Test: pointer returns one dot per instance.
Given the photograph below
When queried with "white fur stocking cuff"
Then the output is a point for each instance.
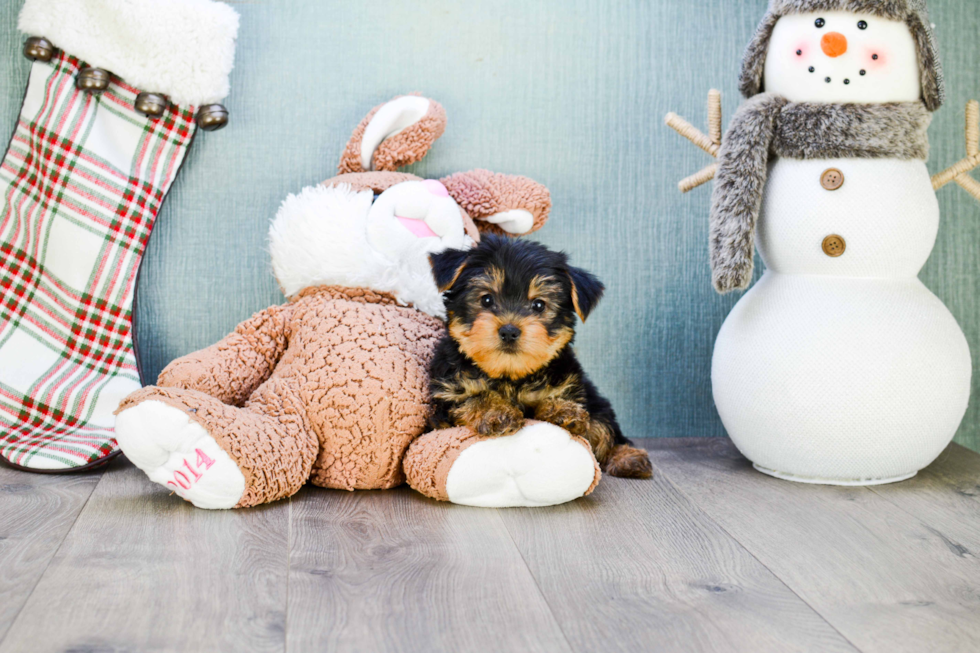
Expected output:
(184, 49)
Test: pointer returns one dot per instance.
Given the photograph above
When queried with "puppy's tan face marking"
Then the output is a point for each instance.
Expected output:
(535, 347)
(491, 282)
(548, 291)
(534, 310)
(544, 287)
(481, 343)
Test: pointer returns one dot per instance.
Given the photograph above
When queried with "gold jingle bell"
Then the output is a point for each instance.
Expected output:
(38, 48)
(212, 117)
(151, 105)
(92, 80)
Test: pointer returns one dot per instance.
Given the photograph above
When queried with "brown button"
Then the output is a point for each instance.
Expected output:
(832, 179)
(833, 245)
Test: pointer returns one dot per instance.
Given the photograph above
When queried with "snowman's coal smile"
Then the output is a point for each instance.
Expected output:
(847, 80)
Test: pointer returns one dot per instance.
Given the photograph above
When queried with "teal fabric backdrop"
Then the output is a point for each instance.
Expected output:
(569, 92)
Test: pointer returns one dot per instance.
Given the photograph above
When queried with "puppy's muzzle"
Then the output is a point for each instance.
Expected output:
(509, 334)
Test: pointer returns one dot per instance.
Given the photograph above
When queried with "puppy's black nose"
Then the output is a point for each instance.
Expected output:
(509, 333)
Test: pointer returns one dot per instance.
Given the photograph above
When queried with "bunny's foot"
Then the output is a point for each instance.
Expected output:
(540, 465)
(177, 452)
(215, 455)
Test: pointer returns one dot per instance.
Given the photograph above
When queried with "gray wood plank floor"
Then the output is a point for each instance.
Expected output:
(708, 556)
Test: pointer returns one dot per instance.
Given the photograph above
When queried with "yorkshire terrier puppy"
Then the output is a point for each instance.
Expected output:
(511, 306)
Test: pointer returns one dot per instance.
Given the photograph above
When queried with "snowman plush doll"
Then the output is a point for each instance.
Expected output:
(839, 366)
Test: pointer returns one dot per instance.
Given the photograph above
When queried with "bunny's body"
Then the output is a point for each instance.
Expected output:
(336, 378)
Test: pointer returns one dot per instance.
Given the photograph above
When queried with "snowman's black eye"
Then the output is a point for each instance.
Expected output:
(862, 24)
(820, 22)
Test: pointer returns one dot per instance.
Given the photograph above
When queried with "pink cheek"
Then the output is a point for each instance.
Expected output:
(801, 53)
(875, 58)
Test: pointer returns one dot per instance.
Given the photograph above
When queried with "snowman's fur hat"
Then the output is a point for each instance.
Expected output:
(912, 12)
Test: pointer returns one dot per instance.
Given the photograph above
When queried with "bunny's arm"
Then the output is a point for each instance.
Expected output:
(232, 368)
(737, 196)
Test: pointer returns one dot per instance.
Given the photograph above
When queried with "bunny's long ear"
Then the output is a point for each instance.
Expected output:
(394, 134)
(509, 205)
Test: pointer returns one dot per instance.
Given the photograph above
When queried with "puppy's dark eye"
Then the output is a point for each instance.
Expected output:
(538, 306)
(862, 24)
(820, 22)
(486, 301)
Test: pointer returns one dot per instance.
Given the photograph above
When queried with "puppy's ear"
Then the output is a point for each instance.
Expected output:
(447, 266)
(586, 291)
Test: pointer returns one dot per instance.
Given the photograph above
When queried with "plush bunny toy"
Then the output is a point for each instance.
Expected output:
(332, 387)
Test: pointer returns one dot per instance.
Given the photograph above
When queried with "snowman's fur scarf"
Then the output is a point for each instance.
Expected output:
(319, 238)
(737, 195)
(770, 126)
(806, 130)
(912, 12)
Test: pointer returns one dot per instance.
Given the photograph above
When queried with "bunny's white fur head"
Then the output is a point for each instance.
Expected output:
(333, 235)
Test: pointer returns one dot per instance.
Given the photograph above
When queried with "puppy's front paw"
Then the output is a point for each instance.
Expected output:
(498, 420)
(569, 415)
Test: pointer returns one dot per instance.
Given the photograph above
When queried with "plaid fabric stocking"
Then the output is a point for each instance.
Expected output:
(80, 187)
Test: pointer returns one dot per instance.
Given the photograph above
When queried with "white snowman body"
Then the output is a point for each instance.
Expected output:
(842, 368)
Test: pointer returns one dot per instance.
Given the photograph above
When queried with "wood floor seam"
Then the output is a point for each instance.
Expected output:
(47, 565)
(748, 551)
(935, 529)
(709, 555)
(289, 562)
(870, 569)
(537, 585)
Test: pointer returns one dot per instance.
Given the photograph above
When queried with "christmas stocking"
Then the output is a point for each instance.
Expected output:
(117, 90)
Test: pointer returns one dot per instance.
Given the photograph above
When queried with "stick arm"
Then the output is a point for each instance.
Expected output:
(710, 142)
(960, 172)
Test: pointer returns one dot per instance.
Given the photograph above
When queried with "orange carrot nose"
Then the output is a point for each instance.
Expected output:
(833, 44)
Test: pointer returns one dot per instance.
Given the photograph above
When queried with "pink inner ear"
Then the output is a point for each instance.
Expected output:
(436, 188)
